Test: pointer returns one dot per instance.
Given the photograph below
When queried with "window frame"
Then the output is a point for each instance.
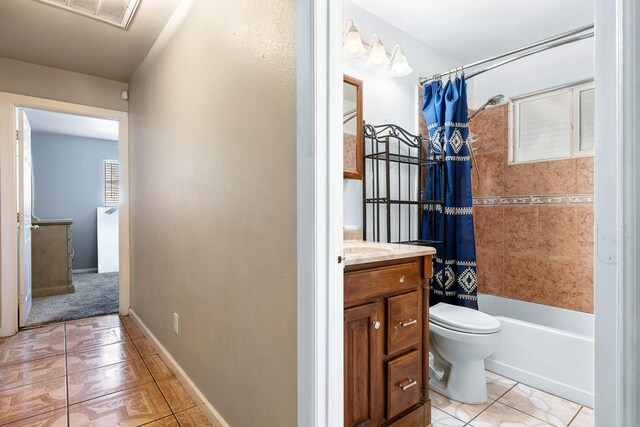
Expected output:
(574, 144)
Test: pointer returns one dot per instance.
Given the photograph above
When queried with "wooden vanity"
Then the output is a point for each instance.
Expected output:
(51, 258)
(386, 335)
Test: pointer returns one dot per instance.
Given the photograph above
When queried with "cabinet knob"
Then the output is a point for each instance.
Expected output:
(376, 324)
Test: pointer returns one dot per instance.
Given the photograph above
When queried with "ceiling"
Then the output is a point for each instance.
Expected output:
(42, 34)
(474, 30)
(71, 124)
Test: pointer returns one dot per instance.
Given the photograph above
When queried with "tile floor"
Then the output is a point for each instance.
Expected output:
(99, 371)
(102, 371)
(510, 404)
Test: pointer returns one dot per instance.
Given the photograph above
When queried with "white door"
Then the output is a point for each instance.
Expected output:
(25, 194)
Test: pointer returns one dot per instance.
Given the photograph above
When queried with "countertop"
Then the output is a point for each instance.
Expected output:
(60, 221)
(361, 252)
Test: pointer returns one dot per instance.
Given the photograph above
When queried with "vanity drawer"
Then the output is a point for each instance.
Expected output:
(366, 284)
(404, 323)
(403, 387)
(416, 418)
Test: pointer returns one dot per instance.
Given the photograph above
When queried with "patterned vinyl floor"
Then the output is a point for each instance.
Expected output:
(99, 371)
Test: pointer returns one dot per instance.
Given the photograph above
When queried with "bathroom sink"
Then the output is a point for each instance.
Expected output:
(365, 248)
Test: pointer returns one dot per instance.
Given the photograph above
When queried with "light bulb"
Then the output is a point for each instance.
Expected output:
(352, 45)
(377, 55)
(400, 66)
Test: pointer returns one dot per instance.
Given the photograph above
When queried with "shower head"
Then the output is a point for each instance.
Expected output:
(494, 100)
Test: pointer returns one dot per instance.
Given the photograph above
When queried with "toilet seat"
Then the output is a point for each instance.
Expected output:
(463, 319)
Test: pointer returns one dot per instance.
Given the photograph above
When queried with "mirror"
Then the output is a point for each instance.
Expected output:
(352, 128)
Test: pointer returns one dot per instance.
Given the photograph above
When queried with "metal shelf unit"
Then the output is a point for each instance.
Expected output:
(396, 164)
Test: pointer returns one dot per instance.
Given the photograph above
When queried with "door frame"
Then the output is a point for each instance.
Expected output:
(319, 213)
(9, 104)
(617, 219)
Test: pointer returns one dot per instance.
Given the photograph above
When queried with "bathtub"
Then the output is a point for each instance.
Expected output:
(545, 347)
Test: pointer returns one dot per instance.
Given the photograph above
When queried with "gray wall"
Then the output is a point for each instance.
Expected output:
(60, 85)
(213, 203)
(69, 183)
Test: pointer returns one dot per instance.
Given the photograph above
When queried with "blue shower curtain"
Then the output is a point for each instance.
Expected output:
(454, 271)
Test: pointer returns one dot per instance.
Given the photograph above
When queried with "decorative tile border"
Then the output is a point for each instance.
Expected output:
(515, 200)
(549, 200)
(581, 198)
(489, 201)
(555, 199)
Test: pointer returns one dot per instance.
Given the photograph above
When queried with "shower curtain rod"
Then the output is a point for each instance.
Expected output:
(542, 45)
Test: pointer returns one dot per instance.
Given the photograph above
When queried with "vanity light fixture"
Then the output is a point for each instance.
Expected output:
(354, 47)
(399, 64)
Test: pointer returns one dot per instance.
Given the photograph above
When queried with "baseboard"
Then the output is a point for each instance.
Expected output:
(565, 391)
(204, 405)
(85, 270)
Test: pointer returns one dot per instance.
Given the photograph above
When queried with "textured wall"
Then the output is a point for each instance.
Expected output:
(60, 85)
(68, 174)
(213, 202)
(533, 222)
(387, 99)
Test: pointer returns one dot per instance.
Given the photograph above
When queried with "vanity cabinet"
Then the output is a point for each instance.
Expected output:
(386, 343)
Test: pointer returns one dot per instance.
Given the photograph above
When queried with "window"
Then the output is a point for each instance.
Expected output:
(111, 182)
(553, 125)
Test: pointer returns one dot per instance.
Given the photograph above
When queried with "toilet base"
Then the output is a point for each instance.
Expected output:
(465, 383)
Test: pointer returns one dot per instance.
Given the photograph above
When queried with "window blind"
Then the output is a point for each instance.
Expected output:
(544, 128)
(111, 182)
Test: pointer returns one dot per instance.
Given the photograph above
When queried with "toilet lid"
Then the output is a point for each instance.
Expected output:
(463, 319)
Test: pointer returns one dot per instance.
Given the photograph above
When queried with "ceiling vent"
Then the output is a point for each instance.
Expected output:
(116, 12)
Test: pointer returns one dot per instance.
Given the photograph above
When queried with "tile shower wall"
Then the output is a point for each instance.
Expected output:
(533, 222)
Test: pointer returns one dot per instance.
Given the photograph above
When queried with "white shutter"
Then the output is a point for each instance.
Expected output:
(587, 119)
(111, 182)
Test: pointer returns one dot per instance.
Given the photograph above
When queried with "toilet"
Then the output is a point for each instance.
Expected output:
(460, 339)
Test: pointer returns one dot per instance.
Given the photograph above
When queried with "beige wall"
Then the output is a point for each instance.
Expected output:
(212, 137)
(60, 85)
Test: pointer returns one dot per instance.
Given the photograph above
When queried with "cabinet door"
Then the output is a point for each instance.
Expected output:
(362, 328)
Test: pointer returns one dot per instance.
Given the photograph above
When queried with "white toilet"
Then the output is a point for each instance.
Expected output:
(460, 339)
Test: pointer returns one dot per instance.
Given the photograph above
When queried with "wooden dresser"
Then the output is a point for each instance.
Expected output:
(386, 343)
(51, 257)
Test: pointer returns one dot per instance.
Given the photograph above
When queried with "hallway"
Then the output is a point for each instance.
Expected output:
(98, 371)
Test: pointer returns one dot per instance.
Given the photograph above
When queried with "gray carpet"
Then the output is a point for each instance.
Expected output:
(95, 294)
